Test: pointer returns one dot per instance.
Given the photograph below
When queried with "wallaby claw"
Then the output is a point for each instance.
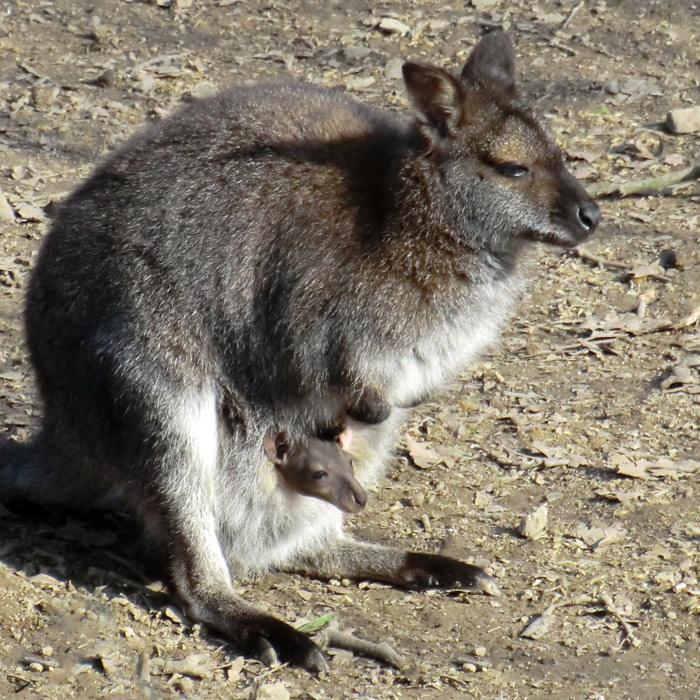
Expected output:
(422, 571)
(315, 661)
(264, 652)
(281, 643)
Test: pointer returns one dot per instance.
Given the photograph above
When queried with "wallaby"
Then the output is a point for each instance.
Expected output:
(269, 256)
(317, 467)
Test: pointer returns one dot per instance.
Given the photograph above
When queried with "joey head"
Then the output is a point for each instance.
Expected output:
(302, 255)
(316, 467)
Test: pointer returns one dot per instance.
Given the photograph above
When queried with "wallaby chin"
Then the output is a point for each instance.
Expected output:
(302, 255)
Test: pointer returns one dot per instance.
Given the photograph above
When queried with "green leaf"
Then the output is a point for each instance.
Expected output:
(316, 624)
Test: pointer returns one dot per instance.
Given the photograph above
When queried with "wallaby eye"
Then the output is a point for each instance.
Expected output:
(319, 475)
(512, 169)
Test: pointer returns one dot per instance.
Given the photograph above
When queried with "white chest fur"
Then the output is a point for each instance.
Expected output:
(449, 347)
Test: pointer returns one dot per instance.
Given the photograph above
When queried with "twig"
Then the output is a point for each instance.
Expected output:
(610, 608)
(566, 49)
(571, 14)
(595, 260)
(382, 652)
(651, 185)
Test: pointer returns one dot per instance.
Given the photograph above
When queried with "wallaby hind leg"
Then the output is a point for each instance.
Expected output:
(41, 472)
(349, 558)
(182, 515)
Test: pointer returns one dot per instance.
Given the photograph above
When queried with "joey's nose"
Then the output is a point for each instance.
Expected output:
(589, 216)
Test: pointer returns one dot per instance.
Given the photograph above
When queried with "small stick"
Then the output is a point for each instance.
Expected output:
(610, 608)
(651, 185)
(571, 14)
(382, 652)
(595, 260)
(566, 49)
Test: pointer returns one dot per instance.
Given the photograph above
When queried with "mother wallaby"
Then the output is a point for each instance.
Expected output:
(278, 255)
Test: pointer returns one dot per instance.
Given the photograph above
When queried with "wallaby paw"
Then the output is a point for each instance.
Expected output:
(422, 571)
(370, 407)
(272, 641)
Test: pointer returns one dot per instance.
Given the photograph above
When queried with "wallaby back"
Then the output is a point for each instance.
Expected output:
(274, 255)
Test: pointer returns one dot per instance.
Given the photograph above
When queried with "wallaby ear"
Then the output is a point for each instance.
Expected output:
(435, 94)
(491, 63)
(345, 438)
(276, 446)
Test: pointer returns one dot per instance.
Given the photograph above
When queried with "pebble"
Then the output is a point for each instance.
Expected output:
(393, 69)
(355, 53)
(534, 525)
(389, 25)
(272, 691)
(7, 216)
(683, 121)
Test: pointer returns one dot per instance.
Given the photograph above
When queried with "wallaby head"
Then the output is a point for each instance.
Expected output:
(318, 468)
(502, 171)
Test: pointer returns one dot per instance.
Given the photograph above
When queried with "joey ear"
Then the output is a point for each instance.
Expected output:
(435, 94)
(345, 438)
(276, 446)
(491, 63)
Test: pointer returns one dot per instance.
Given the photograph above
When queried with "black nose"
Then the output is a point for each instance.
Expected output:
(589, 216)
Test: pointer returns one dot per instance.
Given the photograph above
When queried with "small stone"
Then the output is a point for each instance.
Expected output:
(389, 25)
(7, 216)
(393, 69)
(480, 652)
(355, 53)
(534, 525)
(272, 691)
(683, 121)
(360, 82)
(29, 212)
(417, 499)
(105, 78)
(539, 626)
(183, 4)
(184, 683)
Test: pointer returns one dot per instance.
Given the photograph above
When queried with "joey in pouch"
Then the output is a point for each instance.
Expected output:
(316, 467)
(274, 255)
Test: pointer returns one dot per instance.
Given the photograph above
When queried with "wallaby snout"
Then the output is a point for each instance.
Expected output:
(574, 212)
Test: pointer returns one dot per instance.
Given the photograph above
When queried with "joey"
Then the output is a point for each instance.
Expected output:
(303, 254)
(316, 467)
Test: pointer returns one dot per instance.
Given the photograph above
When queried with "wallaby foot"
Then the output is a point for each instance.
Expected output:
(411, 570)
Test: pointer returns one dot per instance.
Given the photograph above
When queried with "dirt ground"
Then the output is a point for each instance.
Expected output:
(590, 406)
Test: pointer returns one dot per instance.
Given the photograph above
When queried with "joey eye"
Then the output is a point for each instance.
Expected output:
(319, 475)
(512, 169)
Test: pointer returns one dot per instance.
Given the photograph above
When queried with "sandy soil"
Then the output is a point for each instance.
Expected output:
(591, 405)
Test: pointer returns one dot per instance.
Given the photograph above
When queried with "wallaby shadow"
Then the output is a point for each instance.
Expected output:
(91, 550)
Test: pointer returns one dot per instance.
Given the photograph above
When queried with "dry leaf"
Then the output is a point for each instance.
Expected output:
(644, 469)
(595, 537)
(421, 455)
(626, 466)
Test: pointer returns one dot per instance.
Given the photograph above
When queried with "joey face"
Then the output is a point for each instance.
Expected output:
(502, 175)
(317, 468)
